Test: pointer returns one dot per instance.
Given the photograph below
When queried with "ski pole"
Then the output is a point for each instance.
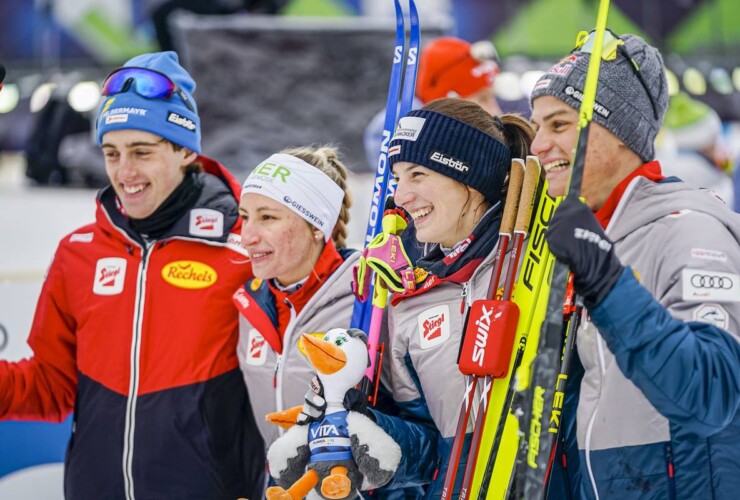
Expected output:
(508, 219)
(536, 471)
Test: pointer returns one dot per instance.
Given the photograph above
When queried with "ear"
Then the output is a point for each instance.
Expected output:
(190, 156)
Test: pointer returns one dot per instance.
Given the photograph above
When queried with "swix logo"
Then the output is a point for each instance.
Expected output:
(256, 348)
(206, 222)
(537, 241)
(326, 430)
(434, 326)
(483, 326)
(110, 274)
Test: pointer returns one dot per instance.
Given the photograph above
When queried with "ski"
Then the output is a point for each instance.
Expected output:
(368, 316)
(508, 219)
(550, 369)
(521, 229)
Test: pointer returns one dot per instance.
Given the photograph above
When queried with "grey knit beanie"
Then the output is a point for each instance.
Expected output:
(622, 103)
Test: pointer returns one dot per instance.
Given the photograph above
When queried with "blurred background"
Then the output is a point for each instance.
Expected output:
(278, 73)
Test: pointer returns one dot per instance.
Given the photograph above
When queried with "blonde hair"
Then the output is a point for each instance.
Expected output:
(326, 159)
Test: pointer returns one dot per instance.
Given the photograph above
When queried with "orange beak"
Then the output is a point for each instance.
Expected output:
(324, 356)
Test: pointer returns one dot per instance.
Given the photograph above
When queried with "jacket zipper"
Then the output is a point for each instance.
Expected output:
(133, 389)
(278, 377)
(670, 471)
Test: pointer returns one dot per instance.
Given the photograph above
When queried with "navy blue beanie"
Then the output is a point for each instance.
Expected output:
(167, 118)
(452, 148)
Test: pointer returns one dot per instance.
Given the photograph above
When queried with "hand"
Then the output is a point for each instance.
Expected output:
(577, 239)
(314, 403)
(355, 400)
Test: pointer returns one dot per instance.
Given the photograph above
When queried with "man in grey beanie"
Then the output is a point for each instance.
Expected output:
(652, 399)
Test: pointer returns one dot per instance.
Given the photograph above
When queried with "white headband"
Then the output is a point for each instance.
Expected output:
(301, 187)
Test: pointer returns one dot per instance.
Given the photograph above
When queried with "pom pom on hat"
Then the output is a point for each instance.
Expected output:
(450, 67)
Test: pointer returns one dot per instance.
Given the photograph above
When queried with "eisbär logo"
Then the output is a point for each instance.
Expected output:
(181, 121)
(110, 274)
(189, 274)
(434, 326)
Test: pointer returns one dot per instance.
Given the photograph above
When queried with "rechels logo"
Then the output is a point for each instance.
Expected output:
(189, 274)
(206, 222)
(110, 274)
(434, 326)
(181, 121)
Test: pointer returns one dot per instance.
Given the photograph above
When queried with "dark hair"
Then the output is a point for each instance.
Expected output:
(512, 130)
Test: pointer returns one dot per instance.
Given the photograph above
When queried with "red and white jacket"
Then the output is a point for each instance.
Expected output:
(139, 340)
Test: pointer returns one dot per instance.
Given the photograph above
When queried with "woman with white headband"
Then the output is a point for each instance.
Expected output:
(295, 207)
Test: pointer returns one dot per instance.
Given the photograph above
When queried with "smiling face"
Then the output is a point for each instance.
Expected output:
(444, 211)
(608, 160)
(143, 169)
(281, 244)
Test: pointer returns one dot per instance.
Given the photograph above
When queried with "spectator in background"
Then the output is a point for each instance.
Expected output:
(162, 12)
(693, 135)
(448, 67)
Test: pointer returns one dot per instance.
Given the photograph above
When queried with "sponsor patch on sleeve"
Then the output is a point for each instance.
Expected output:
(434, 326)
(702, 285)
(714, 314)
(707, 254)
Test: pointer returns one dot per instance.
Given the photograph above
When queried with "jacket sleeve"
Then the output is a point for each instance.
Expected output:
(43, 387)
(690, 371)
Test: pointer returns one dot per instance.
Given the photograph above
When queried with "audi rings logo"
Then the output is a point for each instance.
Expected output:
(709, 281)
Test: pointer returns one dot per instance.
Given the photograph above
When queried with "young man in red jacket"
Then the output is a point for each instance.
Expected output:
(134, 329)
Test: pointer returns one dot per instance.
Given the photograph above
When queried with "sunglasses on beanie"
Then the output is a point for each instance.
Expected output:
(147, 83)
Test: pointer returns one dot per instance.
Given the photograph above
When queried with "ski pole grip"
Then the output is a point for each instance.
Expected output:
(516, 178)
(526, 200)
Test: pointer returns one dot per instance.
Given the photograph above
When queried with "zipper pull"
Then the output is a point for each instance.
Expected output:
(464, 297)
(277, 367)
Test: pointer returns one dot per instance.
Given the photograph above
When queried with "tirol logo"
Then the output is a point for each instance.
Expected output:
(189, 274)
(434, 326)
(181, 121)
(256, 348)
(110, 274)
(206, 222)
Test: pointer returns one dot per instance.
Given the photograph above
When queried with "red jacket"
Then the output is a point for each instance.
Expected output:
(140, 340)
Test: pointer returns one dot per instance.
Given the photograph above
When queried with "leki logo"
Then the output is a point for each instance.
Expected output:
(189, 274)
(110, 275)
(433, 327)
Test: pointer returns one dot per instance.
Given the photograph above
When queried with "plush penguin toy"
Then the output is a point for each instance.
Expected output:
(343, 452)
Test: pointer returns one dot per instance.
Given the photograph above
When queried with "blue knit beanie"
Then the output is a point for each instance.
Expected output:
(167, 118)
(452, 148)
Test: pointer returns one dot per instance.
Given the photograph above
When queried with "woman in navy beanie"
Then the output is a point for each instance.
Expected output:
(134, 329)
(451, 160)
